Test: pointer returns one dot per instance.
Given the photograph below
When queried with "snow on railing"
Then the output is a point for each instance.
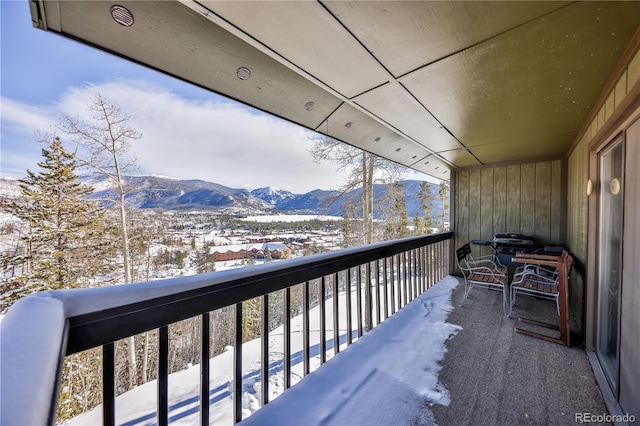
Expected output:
(40, 329)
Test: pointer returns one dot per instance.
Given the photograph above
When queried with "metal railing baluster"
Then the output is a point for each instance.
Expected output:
(434, 266)
(419, 270)
(305, 328)
(398, 283)
(163, 375)
(237, 365)
(287, 338)
(378, 294)
(368, 299)
(108, 384)
(323, 322)
(264, 351)
(336, 316)
(359, 300)
(386, 287)
(401, 280)
(416, 269)
(405, 279)
(393, 284)
(204, 369)
(348, 303)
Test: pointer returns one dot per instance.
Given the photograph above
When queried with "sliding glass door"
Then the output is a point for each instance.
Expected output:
(611, 207)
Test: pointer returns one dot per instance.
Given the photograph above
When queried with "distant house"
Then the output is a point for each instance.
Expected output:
(277, 250)
(225, 253)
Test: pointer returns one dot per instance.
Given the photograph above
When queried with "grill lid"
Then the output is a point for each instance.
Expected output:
(514, 239)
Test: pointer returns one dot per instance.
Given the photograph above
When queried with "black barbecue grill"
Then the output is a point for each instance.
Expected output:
(509, 243)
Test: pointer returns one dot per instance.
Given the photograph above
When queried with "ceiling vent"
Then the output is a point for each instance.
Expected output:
(122, 15)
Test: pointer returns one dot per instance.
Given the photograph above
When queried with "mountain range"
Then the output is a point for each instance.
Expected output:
(164, 193)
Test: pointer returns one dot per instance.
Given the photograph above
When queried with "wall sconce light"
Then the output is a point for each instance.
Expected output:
(589, 187)
(615, 186)
(243, 73)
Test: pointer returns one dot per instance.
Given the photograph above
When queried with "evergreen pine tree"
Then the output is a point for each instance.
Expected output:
(398, 219)
(427, 200)
(400, 207)
(63, 245)
(443, 193)
(267, 253)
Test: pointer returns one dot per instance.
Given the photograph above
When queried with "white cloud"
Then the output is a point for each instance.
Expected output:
(213, 140)
(23, 126)
(19, 115)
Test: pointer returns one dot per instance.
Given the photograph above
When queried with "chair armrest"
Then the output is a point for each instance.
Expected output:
(537, 270)
(485, 270)
(531, 276)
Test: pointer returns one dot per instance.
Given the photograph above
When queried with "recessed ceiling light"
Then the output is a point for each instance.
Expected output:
(348, 125)
(437, 167)
(309, 106)
(398, 149)
(243, 73)
(122, 15)
(377, 139)
(426, 162)
(414, 157)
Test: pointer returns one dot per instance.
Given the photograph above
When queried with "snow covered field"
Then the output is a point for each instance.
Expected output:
(289, 218)
(388, 376)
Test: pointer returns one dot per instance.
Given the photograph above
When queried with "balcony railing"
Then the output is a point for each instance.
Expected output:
(41, 329)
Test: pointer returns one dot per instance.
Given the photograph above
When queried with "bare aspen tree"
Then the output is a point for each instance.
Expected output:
(102, 143)
(365, 169)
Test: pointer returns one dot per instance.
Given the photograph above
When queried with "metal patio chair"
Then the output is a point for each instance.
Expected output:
(533, 280)
(483, 271)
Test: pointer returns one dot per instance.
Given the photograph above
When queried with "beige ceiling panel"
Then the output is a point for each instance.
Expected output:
(459, 157)
(407, 35)
(509, 151)
(350, 125)
(434, 166)
(507, 80)
(304, 33)
(529, 85)
(415, 121)
(196, 50)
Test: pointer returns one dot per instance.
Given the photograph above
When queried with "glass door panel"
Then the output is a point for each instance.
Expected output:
(610, 260)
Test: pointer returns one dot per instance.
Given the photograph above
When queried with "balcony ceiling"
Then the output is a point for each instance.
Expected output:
(431, 85)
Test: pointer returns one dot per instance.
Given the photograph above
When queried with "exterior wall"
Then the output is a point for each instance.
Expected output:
(577, 227)
(524, 198)
(578, 165)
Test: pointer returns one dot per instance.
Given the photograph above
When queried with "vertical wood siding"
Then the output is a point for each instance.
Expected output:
(577, 225)
(525, 198)
(577, 174)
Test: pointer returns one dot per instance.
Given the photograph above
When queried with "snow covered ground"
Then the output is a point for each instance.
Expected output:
(289, 218)
(399, 360)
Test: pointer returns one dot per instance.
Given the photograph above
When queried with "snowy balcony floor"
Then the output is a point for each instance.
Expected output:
(488, 373)
(433, 362)
(499, 377)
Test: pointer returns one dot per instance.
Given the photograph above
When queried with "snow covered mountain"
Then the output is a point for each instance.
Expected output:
(165, 193)
(272, 196)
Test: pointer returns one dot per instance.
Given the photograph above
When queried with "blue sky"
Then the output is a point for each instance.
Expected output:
(44, 75)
